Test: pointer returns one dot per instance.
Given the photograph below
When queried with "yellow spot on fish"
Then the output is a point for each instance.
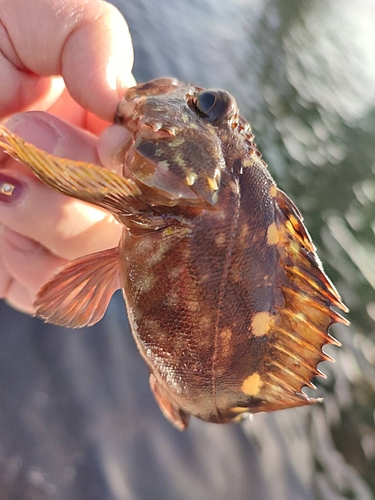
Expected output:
(145, 282)
(248, 162)
(185, 118)
(273, 191)
(179, 158)
(226, 342)
(193, 305)
(289, 226)
(226, 334)
(244, 234)
(295, 248)
(293, 220)
(239, 413)
(158, 252)
(176, 143)
(273, 234)
(251, 385)
(301, 316)
(205, 322)
(164, 165)
(238, 409)
(191, 178)
(171, 130)
(169, 231)
(261, 323)
(220, 239)
(213, 184)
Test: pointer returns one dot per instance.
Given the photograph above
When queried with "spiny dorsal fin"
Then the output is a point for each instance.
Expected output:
(299, 326)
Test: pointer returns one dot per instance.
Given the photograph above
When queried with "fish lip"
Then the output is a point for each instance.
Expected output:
(130, 107)
(128, 112)
(130, 115)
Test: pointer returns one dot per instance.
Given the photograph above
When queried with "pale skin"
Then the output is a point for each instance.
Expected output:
(87, 44)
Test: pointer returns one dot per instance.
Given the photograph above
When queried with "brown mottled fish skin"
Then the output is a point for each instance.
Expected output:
(228, 302)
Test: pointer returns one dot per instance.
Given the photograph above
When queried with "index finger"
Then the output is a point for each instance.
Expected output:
(87, 42)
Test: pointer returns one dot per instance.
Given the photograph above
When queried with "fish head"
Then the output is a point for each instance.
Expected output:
(179, 139)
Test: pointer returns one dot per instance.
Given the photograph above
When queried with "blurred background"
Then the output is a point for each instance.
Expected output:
(77, 419)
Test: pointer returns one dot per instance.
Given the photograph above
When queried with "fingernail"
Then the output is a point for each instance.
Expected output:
(34, 130)
(10, 189)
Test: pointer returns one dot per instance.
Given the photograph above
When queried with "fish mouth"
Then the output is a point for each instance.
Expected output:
(130, 114)
(131, 108)
(129, 111)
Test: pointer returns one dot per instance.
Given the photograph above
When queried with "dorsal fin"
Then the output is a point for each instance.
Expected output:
(299, 326)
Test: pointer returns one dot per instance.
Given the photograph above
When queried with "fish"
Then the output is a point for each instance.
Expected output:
(227, 299)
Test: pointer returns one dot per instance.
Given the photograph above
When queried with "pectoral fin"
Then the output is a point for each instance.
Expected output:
(81, 180)
(80, 293)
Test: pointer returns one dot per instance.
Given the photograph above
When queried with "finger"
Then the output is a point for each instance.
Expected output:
(88, 43)
(20, 298)
(65, 226)
(12, 291)
(70, 111)
(54, 135)
(27, 261)
(5, 276)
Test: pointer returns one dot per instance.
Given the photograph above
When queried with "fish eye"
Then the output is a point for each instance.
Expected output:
(214, 106)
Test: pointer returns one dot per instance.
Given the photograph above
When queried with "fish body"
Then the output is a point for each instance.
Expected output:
(227, 299)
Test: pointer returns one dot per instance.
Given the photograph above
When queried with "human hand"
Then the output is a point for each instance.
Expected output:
(87, 45)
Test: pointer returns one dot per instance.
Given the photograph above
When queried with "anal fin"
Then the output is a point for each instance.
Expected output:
(79, 294)
(176, 416)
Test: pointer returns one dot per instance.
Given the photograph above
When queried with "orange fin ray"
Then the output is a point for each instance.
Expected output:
(79, 294)
(298, 360)
(313, 277)
(311, 268)
(302, 315)
(293, 375)
(283, 396)
(294, 218)
(78, 179)
(335, 317)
